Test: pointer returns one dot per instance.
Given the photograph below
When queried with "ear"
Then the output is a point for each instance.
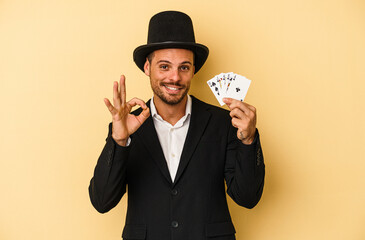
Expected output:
(147, 67)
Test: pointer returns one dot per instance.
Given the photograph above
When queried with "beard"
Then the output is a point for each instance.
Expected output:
(167, 98)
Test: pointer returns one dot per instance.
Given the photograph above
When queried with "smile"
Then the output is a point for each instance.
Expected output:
(171, 88)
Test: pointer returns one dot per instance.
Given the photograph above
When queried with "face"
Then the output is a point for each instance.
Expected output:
(170, 72)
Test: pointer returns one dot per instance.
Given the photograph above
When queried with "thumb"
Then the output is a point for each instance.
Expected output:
(227, 101)
(143, 115)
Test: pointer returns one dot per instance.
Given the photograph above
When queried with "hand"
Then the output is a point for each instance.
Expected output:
(243, 118)
(124, 123)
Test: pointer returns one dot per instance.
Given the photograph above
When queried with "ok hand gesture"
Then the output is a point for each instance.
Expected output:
(124, 123)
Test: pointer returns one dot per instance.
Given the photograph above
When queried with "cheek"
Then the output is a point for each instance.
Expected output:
(187, 79)
(156, 81)
(157, 75)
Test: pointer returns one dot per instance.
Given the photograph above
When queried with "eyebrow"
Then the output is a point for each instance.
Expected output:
(166, 61)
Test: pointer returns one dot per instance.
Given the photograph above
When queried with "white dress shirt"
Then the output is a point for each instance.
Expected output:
(172, 137)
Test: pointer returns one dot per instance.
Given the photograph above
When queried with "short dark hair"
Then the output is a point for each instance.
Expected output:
(150, 56)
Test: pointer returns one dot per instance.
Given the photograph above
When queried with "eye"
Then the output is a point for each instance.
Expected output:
(185, 68)
(164, 67)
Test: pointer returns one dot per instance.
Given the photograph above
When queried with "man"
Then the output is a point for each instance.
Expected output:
(174, 152)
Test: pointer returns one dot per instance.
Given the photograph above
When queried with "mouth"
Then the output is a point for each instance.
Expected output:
(173, 89)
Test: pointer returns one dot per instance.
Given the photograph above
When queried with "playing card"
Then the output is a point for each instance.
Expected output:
(229, 79)
(223, 85)
(218, 80)
(238, 88)
(229, 85)
(214, 85)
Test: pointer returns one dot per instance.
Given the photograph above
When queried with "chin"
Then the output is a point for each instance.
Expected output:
(173, 100)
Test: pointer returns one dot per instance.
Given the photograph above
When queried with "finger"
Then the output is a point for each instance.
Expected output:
(116, 96)
(109, 106)
(145, 112)
(243, 123)
(122, 89)
(232, 103)
(136, 101)
(234, 122)
(246, 108)
(227, 101)
(238, 113)
(253, 109)
(238, 104)
(143, 115)
(239, 124)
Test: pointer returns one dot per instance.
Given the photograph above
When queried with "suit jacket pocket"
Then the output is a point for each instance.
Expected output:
(134, 231)
(222, 230)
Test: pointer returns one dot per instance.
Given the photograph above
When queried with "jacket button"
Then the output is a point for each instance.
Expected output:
(174, 224)
(174, 192)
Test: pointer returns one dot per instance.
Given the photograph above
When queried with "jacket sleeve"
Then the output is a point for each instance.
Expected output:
(108, 184)
(244, 170)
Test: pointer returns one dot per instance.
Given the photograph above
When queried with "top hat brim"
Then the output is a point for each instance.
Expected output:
(200, 51)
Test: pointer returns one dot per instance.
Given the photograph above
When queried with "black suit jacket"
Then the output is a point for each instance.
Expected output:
(194, 206)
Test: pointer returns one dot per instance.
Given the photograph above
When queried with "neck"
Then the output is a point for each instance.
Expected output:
(170, 113)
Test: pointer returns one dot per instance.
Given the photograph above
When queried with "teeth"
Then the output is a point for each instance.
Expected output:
(172, 88)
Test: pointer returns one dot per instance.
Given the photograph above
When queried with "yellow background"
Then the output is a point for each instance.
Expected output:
(58, 60)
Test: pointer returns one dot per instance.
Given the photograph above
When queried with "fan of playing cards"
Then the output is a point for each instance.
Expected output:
(230, 85)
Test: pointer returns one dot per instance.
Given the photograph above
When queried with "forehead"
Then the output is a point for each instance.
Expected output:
(176, 54)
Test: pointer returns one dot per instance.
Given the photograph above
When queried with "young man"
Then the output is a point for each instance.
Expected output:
(175, 152)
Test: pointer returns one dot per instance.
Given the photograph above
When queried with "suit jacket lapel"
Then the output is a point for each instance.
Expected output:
(148, 135)
(198, 122)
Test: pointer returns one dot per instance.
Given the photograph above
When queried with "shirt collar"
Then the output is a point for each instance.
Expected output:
(155, 115)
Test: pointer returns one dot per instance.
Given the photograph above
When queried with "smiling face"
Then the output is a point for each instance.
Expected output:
(170, 72)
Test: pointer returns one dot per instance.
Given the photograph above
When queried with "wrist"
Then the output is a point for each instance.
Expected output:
(252, 139)
(120, 142)
(247, 141)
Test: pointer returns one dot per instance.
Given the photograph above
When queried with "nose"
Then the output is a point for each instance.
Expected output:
(175, 75)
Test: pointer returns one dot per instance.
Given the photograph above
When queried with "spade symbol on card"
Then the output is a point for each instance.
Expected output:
(216, 89)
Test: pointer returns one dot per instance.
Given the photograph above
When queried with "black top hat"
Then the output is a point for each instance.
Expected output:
(171, 29)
